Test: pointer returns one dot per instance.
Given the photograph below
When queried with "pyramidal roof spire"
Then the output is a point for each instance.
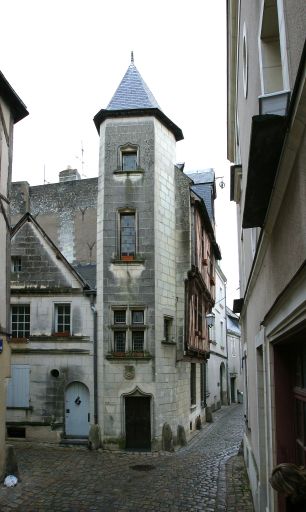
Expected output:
(132, 92)
(134, 98)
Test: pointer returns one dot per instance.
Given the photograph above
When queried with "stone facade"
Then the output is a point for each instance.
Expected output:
(153, 280)
(12, 110)
(154, 244)
(268, 185)
(52, 348)
(67, 211)
(217, 366)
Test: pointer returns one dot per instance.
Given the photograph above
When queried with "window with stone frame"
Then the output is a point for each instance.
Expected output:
(62, 319)
(129, 329)
(20, 320)
(127, 235)
(119, 341)
(193, 398)
(168, 328)
(129, 157)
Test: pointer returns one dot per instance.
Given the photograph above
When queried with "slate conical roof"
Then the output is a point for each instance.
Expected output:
(132, 92)
(134, 98)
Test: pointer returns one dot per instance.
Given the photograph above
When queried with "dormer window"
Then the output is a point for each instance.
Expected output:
(129, 157)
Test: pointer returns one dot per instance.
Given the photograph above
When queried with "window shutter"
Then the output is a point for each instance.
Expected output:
(18, 391)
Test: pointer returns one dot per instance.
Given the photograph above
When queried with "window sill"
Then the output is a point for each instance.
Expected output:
(125, 173)
(127, 356)
(135, 261)
(193, 407)
(40, 338)
(19, 340)
(169, 342)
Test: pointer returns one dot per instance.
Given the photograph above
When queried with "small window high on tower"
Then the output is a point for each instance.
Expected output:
(129, 157)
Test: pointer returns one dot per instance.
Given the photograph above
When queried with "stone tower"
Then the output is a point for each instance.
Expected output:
(136, 276)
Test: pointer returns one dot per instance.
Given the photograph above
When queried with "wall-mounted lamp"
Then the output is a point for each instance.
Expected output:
(210, 318)
(221, 184)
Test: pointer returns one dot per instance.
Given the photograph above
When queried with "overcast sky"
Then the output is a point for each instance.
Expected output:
(65, 59)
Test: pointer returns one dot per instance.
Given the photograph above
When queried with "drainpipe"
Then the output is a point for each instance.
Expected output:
(95, 359)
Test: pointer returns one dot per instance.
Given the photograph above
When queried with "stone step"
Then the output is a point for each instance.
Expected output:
(82, 441)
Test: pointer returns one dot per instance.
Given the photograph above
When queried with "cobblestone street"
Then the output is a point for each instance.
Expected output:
(207, 475)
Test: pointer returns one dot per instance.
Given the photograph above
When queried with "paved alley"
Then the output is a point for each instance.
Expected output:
(207, 475)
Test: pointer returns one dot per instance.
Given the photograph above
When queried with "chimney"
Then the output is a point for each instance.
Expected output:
(69, 175)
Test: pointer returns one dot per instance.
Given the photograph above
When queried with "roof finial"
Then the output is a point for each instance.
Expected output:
(132, 57)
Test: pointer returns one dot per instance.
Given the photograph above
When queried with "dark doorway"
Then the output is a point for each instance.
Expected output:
(290, 401)
(233, 394)
(138, 423)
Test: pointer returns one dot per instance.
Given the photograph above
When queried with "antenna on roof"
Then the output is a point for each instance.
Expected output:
(132, 57)
(45, 181)
(81, 159)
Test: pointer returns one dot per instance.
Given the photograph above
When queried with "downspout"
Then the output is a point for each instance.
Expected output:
(95, 359)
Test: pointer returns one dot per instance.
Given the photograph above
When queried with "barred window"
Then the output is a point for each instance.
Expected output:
(129, 329)
(137, 341)
(120, 316)
(119, 341)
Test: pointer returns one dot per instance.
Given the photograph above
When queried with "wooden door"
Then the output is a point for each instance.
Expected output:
(138, 423)
(77, 410)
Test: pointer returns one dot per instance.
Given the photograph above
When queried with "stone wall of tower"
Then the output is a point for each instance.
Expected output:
(120, 283)
(165, 275)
